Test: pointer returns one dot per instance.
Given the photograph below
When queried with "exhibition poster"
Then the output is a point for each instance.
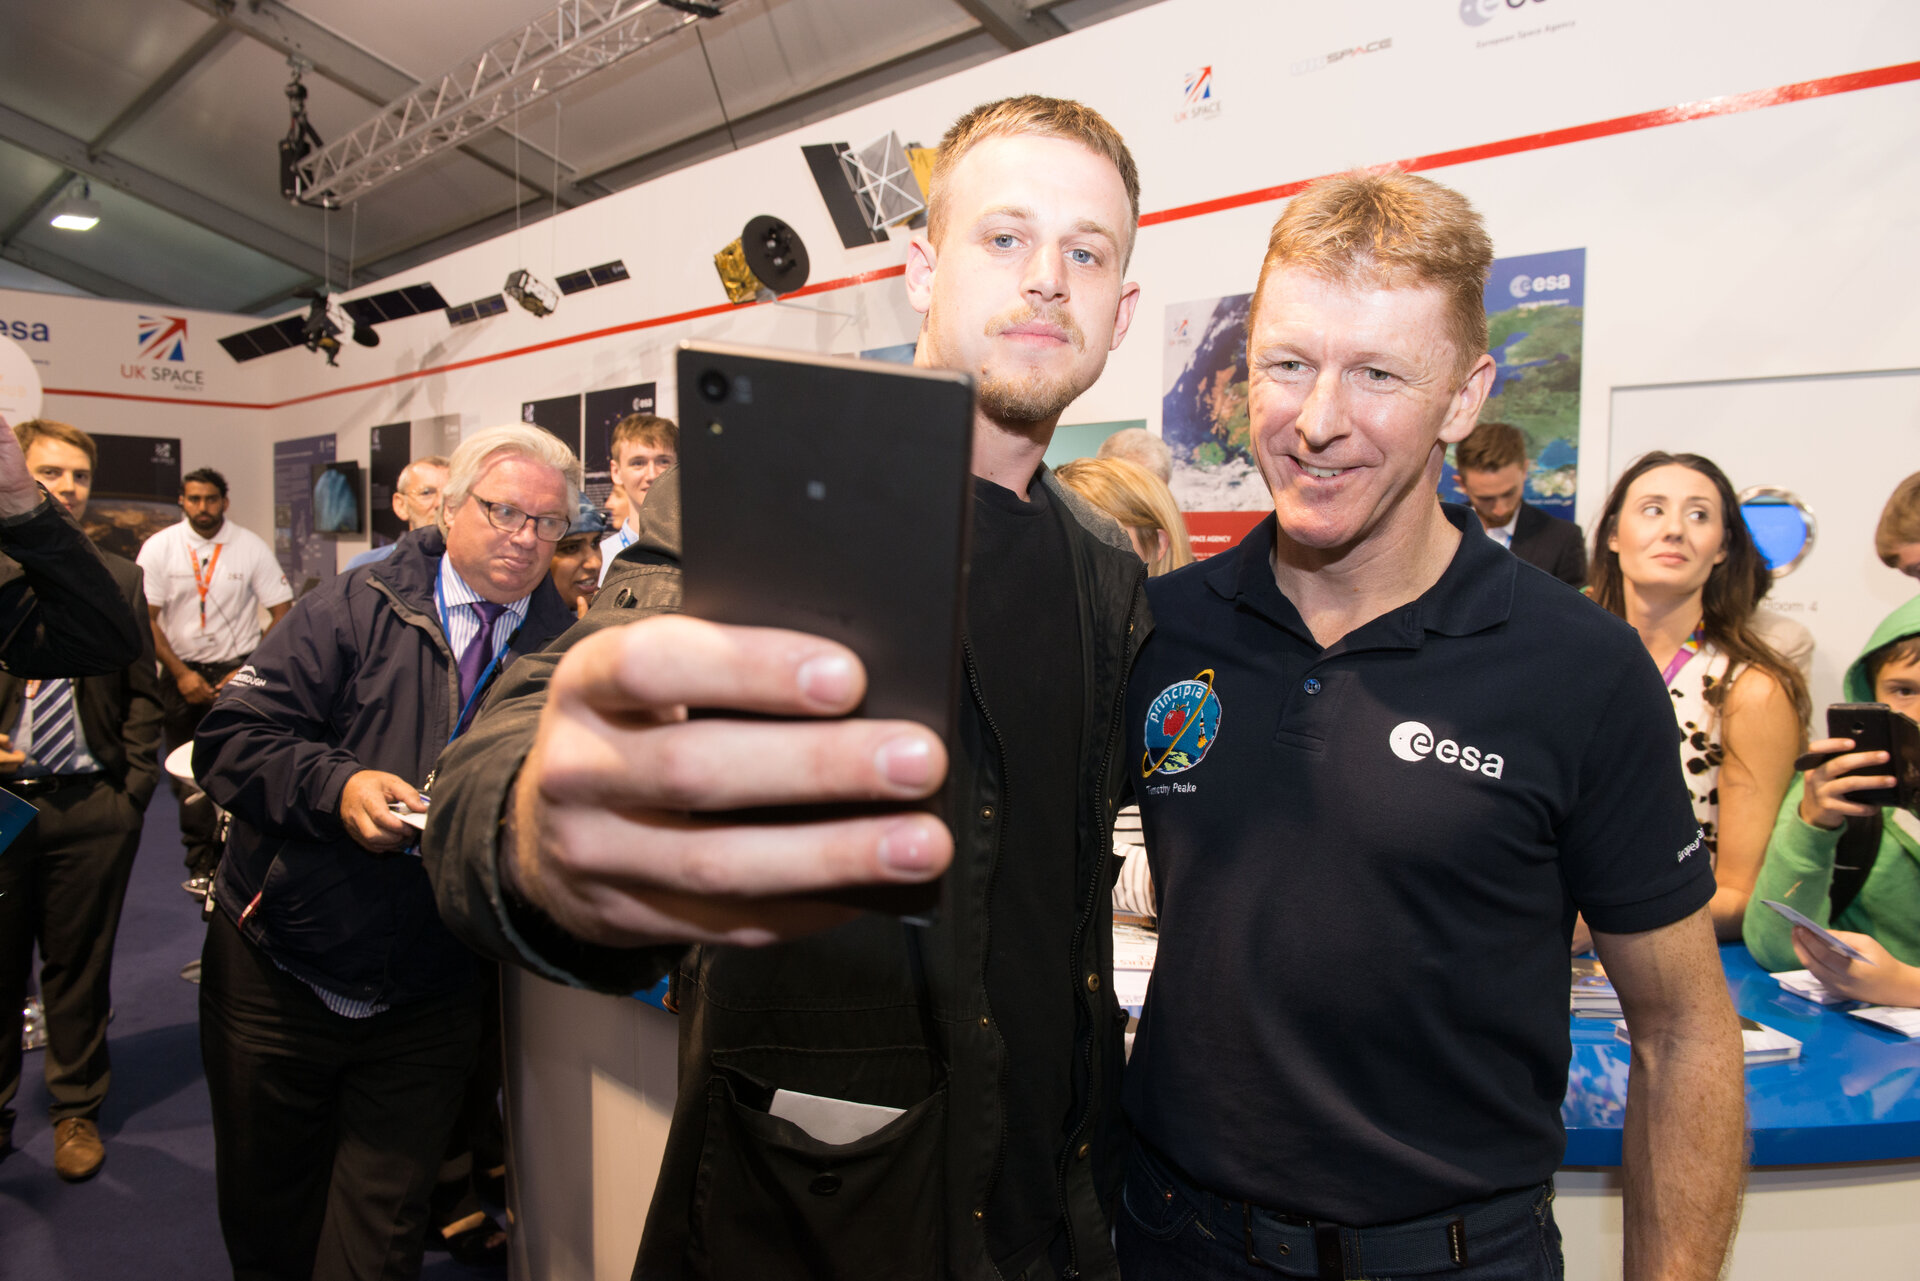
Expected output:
(306, 556)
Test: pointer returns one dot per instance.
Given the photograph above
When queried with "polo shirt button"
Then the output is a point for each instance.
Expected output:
(1093, 982)
(1311, 685)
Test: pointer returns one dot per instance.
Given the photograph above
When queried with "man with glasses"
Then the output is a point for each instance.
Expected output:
(416, 501)
(338, 1018)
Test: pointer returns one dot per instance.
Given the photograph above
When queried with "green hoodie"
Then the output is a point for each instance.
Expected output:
(1799, 864)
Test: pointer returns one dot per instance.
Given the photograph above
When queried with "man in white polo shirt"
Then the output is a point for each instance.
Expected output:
(207, 580)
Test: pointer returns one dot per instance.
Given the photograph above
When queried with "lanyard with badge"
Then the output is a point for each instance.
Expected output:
(203, 585)
(1688, 648)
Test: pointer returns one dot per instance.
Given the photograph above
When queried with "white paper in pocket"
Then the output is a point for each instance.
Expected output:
(830, 1120)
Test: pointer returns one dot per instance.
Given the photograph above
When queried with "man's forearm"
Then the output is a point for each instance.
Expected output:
(164, 648)
(1685, 1152)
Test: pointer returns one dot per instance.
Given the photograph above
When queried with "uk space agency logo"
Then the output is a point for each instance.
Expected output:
(1183, 721)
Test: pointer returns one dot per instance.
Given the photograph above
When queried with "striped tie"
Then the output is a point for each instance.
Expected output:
(54, 739)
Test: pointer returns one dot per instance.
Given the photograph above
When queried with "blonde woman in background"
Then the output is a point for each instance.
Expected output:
(1140, 501)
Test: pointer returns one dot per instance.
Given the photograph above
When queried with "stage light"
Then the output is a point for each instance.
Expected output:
(769, 255)
(76, 213)
(532, 293)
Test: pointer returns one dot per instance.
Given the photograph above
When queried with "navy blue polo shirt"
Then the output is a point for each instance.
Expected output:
(1367, 860)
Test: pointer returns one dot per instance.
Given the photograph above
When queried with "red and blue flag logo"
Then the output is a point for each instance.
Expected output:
(163, 338)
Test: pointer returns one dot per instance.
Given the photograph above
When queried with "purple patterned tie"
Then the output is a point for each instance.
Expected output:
(473, 659)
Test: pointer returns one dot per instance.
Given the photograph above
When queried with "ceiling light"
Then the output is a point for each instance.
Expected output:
(76, 213)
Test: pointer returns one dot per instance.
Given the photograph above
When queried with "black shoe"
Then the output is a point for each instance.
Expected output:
(482, 1244)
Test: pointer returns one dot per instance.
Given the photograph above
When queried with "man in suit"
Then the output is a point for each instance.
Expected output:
(1492, 462)
(59, 613)
(83, 750)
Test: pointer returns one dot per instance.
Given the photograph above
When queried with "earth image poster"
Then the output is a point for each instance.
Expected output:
(1535, 308)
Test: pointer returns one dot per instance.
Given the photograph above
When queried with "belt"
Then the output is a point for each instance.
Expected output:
(221, 668)
(41, 784)
(1430, 1244)
(1295, 1244)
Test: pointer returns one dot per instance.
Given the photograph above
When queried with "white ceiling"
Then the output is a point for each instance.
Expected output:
(172, 111)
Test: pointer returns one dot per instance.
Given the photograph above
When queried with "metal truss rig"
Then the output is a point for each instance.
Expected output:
(575, 39)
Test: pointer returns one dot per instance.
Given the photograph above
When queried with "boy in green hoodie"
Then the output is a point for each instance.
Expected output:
(1883, 920)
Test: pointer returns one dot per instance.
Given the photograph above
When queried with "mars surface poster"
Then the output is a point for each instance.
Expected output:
(1535, 309)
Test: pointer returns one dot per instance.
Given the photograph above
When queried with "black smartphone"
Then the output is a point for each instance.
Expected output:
(1876, 727)
(835, 496)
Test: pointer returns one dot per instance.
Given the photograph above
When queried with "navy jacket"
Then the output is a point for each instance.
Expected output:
(357, 676)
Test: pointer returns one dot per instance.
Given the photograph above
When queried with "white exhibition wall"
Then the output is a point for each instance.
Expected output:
(1759, 240)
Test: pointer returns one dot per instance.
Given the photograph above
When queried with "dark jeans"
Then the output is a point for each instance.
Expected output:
(196, 812)
(62, 883)
(327, 1131)
(1169, 1230)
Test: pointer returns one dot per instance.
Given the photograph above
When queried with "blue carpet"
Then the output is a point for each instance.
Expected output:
(150, 1211)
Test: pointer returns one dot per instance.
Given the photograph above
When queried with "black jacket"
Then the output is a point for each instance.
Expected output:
(120, 713)
(1552, 544)
(740, 1194)
(357, 676)
(61, 611)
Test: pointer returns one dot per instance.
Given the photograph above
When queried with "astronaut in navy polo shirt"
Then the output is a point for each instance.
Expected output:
(1381, 765)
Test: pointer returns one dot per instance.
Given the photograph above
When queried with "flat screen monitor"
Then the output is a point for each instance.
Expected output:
(337, 507)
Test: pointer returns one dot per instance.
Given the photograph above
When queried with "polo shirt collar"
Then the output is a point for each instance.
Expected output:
(1474, 593)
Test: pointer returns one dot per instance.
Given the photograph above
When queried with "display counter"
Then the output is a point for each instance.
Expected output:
(1835, 1188)
(1836, 1136)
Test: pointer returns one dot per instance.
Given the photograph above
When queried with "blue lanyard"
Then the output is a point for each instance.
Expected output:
(446, 630)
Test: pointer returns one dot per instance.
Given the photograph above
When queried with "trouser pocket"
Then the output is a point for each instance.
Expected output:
(771, 1201)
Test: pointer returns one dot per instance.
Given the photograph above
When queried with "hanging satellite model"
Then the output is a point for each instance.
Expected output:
(768, 258)
(872, 188)
(327, 319)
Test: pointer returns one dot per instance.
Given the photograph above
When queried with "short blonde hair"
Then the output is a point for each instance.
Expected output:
(1034, 116)
(1396, 230)
(34, 428)
(1899, 521)
(1136, 498)
(645, 429)
(515, 440)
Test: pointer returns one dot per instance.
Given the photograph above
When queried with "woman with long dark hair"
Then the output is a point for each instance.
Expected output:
(1673, 557)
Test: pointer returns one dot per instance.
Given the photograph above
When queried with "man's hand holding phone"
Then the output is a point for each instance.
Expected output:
(608, 829)
(1825, 798)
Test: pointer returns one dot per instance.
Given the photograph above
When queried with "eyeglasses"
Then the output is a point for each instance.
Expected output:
(425, 491)
(510, 520)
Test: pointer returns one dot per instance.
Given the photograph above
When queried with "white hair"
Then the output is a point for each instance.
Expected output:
(1139, 446)
(515, 440)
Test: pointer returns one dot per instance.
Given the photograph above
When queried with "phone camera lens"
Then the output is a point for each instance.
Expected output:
(713, 386)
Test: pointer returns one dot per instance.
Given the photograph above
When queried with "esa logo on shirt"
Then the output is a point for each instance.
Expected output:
(1412, 741)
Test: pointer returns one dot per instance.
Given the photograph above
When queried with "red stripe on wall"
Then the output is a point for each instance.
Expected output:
(1731, 104)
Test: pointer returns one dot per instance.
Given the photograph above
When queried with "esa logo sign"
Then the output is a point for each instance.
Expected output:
(25, 330)
(1412, 741)
(1523, 286)
(1477, 13)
